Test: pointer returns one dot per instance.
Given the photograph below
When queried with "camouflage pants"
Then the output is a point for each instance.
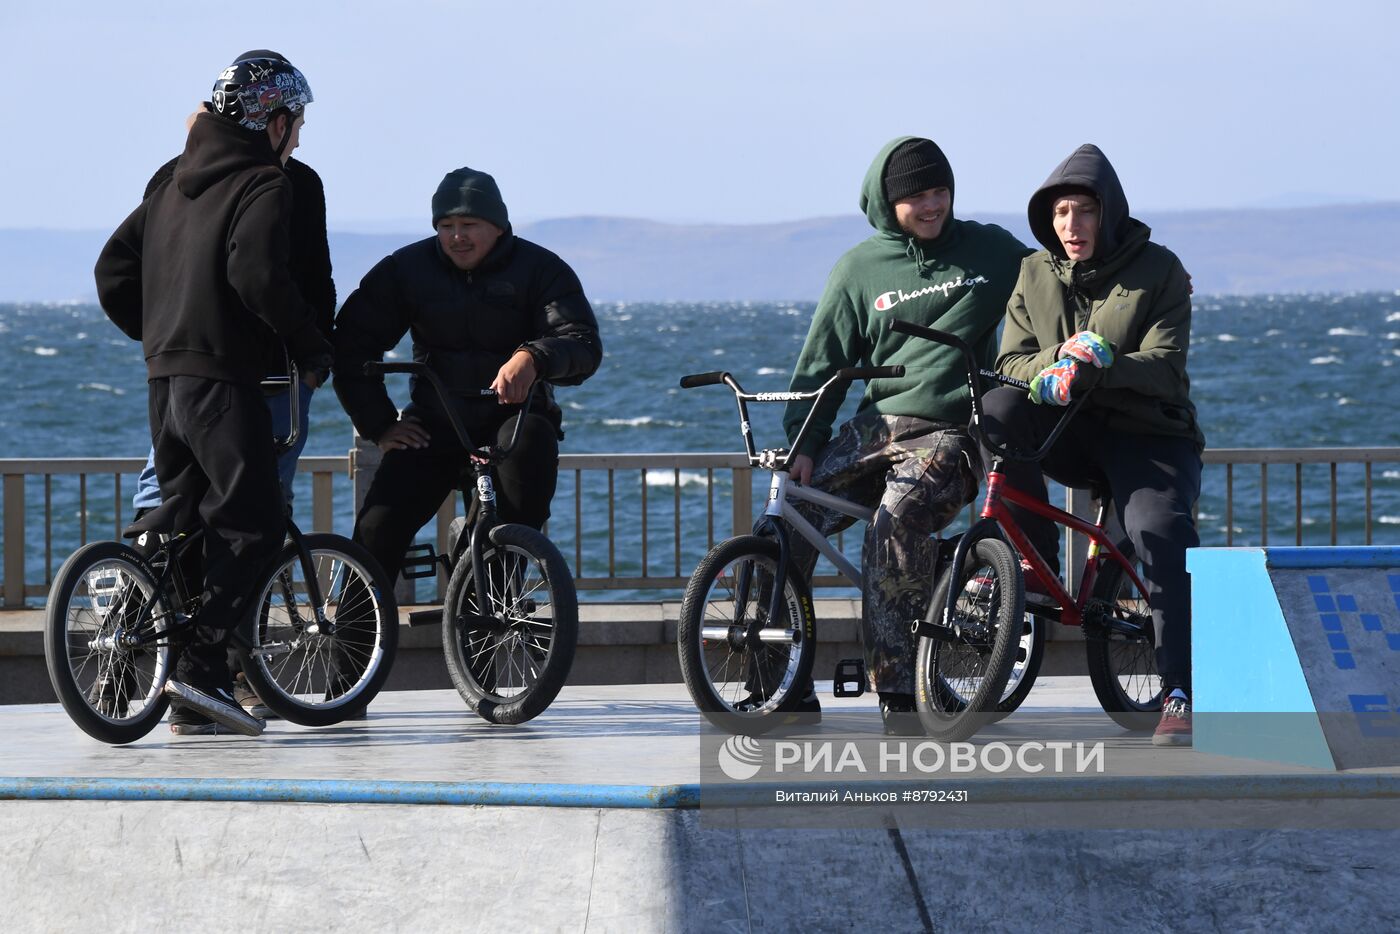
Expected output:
(917, 475)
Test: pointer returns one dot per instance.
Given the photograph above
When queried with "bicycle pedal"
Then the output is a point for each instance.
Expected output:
(432, 617)
(420, 561)
(849, 680)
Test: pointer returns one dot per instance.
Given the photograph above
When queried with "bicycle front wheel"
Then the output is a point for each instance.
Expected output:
(1025, 667)
(960, 680)
(742, 676)
(103, 596)
(1122, 651)
(315, 665)
(509, 641)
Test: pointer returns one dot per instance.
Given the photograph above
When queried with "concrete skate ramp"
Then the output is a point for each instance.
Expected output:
(1296, 654)
(424, 818)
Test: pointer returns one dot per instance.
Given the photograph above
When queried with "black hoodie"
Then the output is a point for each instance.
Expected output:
(199, 272)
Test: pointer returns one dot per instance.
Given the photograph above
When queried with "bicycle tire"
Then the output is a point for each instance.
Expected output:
(486, 652)
(1122, 655)
(739, 690)
(1025, 668)
(302, 675)
(115, 696)
(979, 659)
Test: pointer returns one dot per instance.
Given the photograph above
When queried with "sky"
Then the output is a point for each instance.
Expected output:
(718, 111)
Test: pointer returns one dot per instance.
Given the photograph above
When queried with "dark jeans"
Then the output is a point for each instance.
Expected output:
(213, 445)
(411, 484)
(1153, 481)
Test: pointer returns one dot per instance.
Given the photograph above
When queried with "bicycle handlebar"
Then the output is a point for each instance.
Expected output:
(842, 378)
(488, 452)
(974, 385)
(703, 379)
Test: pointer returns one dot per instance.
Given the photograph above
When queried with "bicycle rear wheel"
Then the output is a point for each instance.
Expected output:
(973, 664)
(316, 673)
(1122, 651)
(510, 643)
(111, 690)
(744, 684)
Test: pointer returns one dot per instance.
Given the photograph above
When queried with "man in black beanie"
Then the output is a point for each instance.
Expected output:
(486, 309)
(906, 453)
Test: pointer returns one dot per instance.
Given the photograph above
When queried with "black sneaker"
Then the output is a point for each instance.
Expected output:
(216, 704)
(899, 715)
(186, 721)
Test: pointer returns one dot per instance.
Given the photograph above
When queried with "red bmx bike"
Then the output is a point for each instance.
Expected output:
(978, 619)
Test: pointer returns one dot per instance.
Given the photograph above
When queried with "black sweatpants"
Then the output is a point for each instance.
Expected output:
(411, 484)
(213, 445)
(1153, 481)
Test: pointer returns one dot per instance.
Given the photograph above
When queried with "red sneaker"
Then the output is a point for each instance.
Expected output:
(1174, 729)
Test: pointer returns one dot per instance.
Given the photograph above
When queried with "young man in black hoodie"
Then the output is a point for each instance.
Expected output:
(199, 274)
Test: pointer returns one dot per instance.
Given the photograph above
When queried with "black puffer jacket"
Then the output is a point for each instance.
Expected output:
(465, 326)
(199, 272)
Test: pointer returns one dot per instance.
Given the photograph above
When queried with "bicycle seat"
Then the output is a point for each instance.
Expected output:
(160, 520)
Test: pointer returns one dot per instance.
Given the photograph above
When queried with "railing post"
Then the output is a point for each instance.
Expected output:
(14, 540)
(743, 500)
(322, 509)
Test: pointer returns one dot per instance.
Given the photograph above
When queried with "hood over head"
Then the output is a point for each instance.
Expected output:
(215, 149)
(469, 193)
(903, 161)
(1086, 169)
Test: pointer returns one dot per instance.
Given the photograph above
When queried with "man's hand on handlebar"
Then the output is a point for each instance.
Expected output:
(513, 381)
(407, 432)
(800, 469)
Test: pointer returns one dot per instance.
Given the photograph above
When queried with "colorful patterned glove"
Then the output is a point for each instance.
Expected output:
(1051, 386)
(1088, 347)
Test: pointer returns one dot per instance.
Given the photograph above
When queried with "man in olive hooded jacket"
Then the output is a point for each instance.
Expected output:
(906, 452)
(1103, 307)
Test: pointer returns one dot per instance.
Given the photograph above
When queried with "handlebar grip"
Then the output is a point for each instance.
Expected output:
(871, 372)
(377, 366)
(703, 379)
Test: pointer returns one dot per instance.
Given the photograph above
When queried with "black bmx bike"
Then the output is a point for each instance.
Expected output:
(510, 613)
(317, 645)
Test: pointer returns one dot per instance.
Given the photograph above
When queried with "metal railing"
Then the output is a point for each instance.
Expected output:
(640, 522)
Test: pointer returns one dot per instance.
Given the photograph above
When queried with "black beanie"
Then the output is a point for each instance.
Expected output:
(914, 166)
(470, 193)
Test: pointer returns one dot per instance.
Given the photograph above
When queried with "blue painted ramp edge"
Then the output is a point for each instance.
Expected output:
(757, 794)
(1371, 556)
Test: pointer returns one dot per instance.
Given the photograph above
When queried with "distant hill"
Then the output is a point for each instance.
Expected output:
(1338, 248)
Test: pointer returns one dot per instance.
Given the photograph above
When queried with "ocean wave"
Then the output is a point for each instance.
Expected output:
(573, 406)
(768, 371)
(1226, 338)
(1390, 474)
(1343, 400)
(46, 351)
(1322, 361)
(102, 387)
(1388, 520)
(1345, 332)
(641, 420)
(668, 478)
(1272, 332)
(1393, 316)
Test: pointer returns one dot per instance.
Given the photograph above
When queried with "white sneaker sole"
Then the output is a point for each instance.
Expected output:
(230, 715)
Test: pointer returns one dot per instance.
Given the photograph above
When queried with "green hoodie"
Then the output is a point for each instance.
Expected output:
(959, 282)
(1134, 293)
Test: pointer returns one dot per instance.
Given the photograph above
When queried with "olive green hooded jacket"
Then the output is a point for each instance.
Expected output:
(958, 282)
(1134, 293)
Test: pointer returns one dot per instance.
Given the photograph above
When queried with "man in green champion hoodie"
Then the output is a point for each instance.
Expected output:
(906, 452)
